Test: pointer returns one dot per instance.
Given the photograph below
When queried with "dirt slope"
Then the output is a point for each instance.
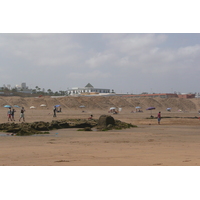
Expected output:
(127, 103)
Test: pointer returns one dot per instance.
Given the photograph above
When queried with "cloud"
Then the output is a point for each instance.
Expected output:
(189, 51)
(41, 49)
(88, 75)
(134, 44)
(99, 59)
(102, 59)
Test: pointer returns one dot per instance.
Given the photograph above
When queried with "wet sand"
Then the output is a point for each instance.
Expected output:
(176, 142)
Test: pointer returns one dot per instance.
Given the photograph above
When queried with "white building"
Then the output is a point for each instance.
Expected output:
(88, 89)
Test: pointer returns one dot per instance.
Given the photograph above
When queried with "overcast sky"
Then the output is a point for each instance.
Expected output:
(132, 63)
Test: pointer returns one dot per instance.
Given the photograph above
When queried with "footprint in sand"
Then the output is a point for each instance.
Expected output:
(157, 164)
(62, 161)
(186, 160)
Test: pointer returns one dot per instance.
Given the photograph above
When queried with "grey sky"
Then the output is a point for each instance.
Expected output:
(132, 63)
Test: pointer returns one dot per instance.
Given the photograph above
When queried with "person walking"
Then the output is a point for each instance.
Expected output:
(159, 117)
(13, 114)
(22, 114)
(9, 114)
(54, 111)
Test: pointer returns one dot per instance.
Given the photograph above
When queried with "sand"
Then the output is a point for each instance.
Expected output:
(176, 142)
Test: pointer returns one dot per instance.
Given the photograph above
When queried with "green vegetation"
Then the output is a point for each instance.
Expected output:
(4, 91)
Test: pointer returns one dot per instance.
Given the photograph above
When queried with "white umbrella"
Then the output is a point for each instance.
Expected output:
(112, 108)
(32, 107)
(138, 107)
(42, 105)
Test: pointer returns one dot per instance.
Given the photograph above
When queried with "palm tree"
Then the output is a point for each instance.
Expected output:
(49, 91)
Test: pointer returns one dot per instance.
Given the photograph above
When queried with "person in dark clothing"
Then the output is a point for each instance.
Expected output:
(22, 114)
(54, 111)
(13, 114)
(159, 117)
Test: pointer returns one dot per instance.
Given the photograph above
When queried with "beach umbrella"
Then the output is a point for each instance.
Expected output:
(32, 107)
(16, 106)
(137, 107)
(82, 106)
(56, 106)
(7, 106)
(168, 109)
(151, 108)
(112, 108)
(42, 105)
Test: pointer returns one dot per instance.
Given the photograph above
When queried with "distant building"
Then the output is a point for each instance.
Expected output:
(87, 90)
(23, 88)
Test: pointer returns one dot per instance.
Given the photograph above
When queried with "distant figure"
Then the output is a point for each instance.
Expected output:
(13, 114)
(60, 109)
(22, 114)
(54, 111)
(159, 117)
(91, 117)
(9, 114)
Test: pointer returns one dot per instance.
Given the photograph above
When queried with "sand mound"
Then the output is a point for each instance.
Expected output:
(103, 103)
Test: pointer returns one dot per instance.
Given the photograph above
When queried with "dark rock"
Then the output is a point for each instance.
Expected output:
(87, 129)
(40, 126)
(54, 125)
(105, 120)
(110, 126)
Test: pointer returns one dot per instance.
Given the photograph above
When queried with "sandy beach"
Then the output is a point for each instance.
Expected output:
(176, 142)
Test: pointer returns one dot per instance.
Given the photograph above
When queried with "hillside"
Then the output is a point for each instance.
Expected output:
(103, 103)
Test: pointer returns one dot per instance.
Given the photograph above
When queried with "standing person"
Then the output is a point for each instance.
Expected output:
(54, 111)
(22, 114)
(159, 117)
(91, 117)
(9, 114)
(13, 114)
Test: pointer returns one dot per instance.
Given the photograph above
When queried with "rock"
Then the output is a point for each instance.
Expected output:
(110, 126)
(54, 125)
(40, 126)
(105, 120)
(87, 129)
